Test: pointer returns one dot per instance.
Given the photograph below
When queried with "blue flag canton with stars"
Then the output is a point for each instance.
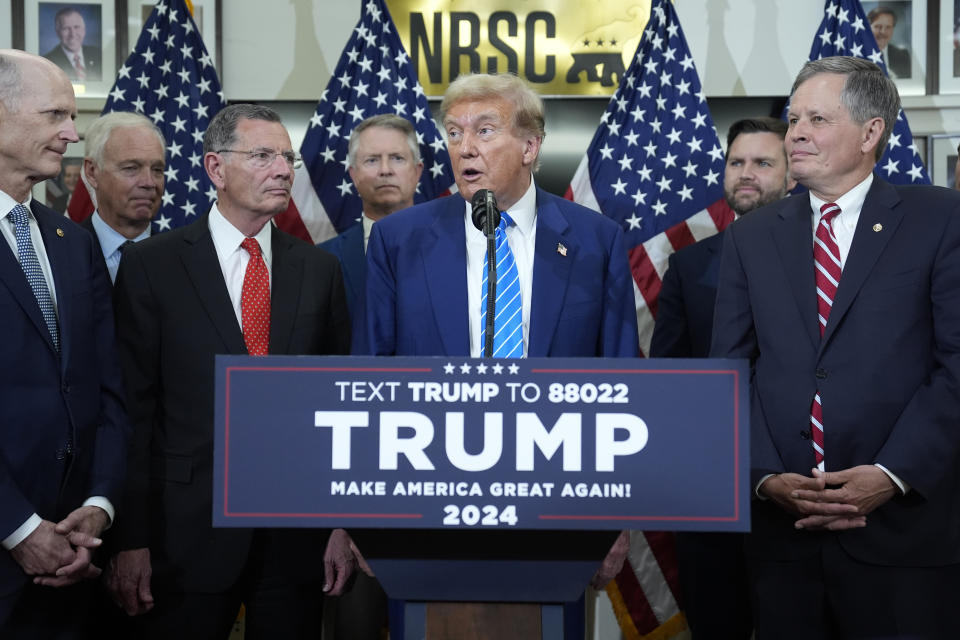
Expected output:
(374, 76)
(656, 160)
(170, 78)
(846, 32)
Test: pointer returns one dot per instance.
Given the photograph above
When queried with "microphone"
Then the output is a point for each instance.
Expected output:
(484, 206)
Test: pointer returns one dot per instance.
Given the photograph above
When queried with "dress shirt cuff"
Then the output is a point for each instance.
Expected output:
(22, 532)
(756, 489)
(103, 503)
(903, 486)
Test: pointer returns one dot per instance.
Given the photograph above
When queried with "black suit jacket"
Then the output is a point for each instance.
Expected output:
(685, 303)
(887, 367)
(92, 63)
(175, 315)
(87, 223)
(47, 398)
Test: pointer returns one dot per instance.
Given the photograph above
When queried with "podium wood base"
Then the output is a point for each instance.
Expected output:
(482, 621)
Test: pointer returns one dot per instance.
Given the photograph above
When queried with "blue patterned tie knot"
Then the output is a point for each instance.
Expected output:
(31, 269)
(508, 319)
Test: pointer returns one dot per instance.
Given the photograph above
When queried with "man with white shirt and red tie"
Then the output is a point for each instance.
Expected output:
(80, 62)
(846, 301)
(230, 283)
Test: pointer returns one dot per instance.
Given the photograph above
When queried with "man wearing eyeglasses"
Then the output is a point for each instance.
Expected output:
(230, 283)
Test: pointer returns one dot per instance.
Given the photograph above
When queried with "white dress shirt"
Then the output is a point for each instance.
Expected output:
(233, 258)
(521, 236)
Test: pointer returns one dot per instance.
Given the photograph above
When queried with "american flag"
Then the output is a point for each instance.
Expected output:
(373, 76)
(655, 165)
(845, 31)
(170, 78)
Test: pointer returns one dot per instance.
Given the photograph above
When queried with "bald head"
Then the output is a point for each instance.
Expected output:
(37, 110)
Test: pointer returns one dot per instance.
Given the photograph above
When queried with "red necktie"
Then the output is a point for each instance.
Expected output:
(826, 261)
(78, 65)
(255, 301)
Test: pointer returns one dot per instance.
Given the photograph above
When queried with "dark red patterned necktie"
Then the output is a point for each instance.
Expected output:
(255, 301)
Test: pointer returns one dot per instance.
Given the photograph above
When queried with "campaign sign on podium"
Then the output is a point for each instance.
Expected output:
(454, 443)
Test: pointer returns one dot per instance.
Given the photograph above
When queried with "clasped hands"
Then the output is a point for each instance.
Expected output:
(834, 500)
(61, 554)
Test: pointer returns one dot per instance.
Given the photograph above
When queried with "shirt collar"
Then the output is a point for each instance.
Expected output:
(111, 239)
(851, 201)
(227, 238)
(523, 212)
(7, 203)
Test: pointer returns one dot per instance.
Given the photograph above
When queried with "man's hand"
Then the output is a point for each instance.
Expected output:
(613, 563)
(339, 563)
(128, 581)
(81, 529)
(864, 488)
(43, 552)
(793, 492)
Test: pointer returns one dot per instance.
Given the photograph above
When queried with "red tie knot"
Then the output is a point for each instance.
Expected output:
(829, 211)
(251, 246)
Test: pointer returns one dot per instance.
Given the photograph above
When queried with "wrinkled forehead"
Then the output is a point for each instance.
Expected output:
(261, 134)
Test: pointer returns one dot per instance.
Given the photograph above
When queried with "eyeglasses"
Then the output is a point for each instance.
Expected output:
(263, 158)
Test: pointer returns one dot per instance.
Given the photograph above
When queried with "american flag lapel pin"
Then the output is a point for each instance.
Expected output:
(561, 249)
(60, 232)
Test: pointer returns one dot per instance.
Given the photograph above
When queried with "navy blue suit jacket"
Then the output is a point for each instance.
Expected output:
(887, 367)
(685, 304)
(46, 399)
(348, 247)
(416, 294)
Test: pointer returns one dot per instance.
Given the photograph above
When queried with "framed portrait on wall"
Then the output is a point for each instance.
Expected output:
(206, 15)
(899, 27)
(942, 159)
(78, 36)
(949, 46)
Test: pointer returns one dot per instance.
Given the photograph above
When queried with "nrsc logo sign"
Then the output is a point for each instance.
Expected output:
(559, 47)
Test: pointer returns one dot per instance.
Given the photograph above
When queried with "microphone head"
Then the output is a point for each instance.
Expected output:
(484, 203)
(479, 205)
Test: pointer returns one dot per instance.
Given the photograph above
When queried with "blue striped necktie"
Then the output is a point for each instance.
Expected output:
(31, 268)
(508, 320)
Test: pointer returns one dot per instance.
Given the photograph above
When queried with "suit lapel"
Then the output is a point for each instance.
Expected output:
(794, 240)
(551, 272)
(203, 269)
(56, 248)
(287, 274)
(443, 254)
(12, 276)
(878, 208)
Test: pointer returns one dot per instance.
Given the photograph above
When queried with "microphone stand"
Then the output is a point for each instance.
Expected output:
(489, 230)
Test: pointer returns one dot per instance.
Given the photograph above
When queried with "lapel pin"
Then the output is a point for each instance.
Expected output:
(562, 250)
(878, 227)
(60, 232)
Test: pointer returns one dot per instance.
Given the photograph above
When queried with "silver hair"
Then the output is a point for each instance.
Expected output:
(388, 121)
(99, 131)
(222, 131)
(867, 92)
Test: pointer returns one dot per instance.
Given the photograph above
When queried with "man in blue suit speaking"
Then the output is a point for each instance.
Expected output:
(425, 264)
(846, 301)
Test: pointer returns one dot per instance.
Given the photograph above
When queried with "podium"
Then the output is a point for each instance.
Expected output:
(466, 481)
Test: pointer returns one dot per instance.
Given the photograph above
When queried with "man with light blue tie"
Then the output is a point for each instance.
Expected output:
(63, 429)
(124, 165)
(426, 265)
